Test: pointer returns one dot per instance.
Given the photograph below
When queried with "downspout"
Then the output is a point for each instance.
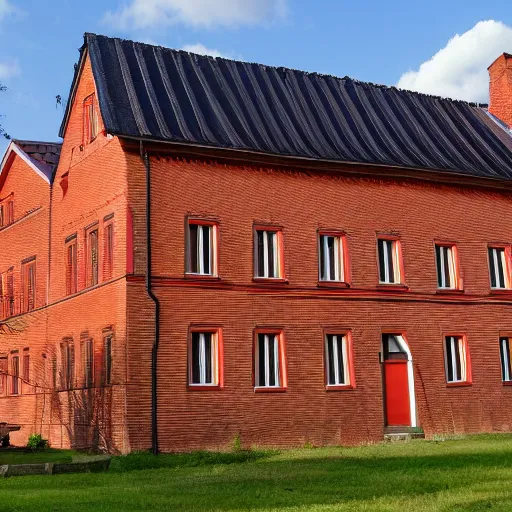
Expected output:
(154, 351)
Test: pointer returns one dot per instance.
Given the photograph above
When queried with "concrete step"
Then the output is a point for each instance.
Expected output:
(403, 436)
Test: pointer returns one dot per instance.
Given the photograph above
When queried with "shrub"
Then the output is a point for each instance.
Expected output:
(36, 442)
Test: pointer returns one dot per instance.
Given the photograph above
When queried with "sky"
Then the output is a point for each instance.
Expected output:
(440, 47)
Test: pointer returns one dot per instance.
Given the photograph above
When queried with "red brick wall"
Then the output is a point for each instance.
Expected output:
(27, 237)
(97, 187)
(500, 88)
(238, 197)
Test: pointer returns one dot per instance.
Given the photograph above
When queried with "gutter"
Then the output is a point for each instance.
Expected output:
(154, 351)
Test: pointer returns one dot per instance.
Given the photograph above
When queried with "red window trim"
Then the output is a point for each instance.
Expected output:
(28, 300)
(508, 260)
(88, 136)
(469, 373)
(350, 350)
(14, 376)
(401, 285)
(71, 241)
(280, 239)
(347, 268)
(220, 357)
(282, 359)
(89, 281)
(201, 221)
(108, 253)
(459, 282)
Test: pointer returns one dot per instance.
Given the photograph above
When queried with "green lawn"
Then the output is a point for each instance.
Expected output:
(23, 456)
(470, 474)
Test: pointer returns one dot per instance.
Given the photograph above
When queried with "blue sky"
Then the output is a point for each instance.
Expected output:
(390, 42)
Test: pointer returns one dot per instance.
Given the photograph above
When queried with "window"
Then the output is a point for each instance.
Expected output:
(499, 269)
(88, 362)
(91, 124)
(446, 263)
(332, 257)
(7, 293)
(268, 253)
(204, 354)
(26, 366)
(67, 352)
(6, 212)
(108, 251)
(269, 370)
(71, 266)
(92, 257)
(457, 359)
(15, 375)
(338, 357)
(4, 367)
(202, 248)
(390, 261)
(28, 284)
(506, 368)
(107, 343)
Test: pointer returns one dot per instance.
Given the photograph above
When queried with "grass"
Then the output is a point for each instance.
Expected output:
(24, 456)
(469, 474)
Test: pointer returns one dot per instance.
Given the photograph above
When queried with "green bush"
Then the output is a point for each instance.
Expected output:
(36, 442)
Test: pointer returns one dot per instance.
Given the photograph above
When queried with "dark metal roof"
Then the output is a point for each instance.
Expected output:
(150, 92)
(43, 152)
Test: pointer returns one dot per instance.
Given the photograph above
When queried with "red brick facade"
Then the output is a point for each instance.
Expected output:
(102, 183)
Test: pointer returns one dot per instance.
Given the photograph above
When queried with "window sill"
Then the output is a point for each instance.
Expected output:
(333, 284)
(199, 387)
(270, 390)
(344, 387)
(270, 280)
(201, 277)
(458, 384)
(501, 291)
(507, 382)
(393, 287)
(449, 291)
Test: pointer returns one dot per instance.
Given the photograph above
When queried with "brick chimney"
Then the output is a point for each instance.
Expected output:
(500, 88)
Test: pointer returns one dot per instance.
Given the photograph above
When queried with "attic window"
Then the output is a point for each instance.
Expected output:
(6, 212)
(91, 124)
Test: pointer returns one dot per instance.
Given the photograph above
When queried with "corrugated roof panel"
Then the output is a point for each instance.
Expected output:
(162, 94)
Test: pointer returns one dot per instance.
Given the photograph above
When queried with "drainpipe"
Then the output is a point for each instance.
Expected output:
(154, 351)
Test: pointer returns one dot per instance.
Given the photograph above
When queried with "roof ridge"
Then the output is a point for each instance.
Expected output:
(294, 70)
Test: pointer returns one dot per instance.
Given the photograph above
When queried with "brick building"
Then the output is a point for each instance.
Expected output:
(221, 249)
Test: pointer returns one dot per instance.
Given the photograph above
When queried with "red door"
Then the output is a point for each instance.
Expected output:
(396, 381)
(398, 408)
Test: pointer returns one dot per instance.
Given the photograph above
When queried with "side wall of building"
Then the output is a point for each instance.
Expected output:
(300, 204)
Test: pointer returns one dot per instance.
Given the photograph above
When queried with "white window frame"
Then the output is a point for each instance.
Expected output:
(460, 342)
(201, 225)
(504, 263)
(343, 339)
(278, 370)
(277, 253)
(215, 373)
(339, 258)
(506, 373)
(396, 261)
(452, 266)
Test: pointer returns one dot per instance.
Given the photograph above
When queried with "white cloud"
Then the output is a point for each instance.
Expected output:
(142, 14)
(459, 70)
(6, 8)
(202, 50)
(9, 69)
